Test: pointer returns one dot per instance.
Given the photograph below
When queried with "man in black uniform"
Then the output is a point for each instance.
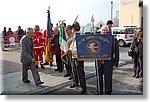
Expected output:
(78, 66)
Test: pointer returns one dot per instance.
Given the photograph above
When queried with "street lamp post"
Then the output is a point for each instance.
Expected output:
(111, 10)
(92, 20)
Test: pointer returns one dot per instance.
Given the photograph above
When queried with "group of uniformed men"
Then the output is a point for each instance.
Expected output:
(75, 68)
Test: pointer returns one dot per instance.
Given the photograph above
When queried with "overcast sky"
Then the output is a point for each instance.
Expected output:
(31, 12)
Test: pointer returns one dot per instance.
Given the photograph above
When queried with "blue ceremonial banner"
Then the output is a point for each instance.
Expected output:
(49, 25)
(91, 47)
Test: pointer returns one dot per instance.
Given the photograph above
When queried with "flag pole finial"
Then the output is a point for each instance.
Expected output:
(61, 22)
(49, 7)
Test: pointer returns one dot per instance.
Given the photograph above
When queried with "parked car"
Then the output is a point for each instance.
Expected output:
(88, 30)
(124, 35)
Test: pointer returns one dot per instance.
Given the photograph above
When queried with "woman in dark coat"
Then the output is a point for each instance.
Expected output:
(137, 48)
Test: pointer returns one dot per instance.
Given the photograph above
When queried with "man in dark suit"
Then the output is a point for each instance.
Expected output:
(27, 58)
(57, 50)
(105, 67)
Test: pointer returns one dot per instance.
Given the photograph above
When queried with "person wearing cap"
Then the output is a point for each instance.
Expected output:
(109, 25)
(69, 39)
(77, 66)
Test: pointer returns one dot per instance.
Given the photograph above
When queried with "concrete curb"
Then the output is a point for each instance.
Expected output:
(46, 89)
(124, 63)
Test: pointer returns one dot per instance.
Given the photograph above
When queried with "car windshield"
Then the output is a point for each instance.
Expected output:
(130, 30)
(87, 30)
(118, 31)
(124, 31)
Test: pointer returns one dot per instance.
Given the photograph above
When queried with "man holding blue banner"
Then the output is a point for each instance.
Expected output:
(102, 48)
(105, 67)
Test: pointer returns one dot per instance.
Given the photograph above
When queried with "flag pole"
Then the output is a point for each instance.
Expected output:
(49, 54)
(76, 19)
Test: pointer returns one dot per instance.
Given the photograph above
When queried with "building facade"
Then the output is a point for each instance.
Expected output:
(131, 13)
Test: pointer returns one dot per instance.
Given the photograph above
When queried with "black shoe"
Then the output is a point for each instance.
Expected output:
(39, 83)
(46, 63)
(37, 66)
(56, 69)
(96, 93)
(60, 71)
(137, 76)
(134, 75)
(70, 78)
(42, 66)
(51, 63)
(26, 81)
(67, 75)
(73, 86)
(83, 92)
(107, 92)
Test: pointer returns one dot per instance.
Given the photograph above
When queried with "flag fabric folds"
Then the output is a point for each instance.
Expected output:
(63, 44)
(48, 55)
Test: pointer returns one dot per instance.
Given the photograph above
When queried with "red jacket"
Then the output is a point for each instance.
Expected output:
(9, 33)
(38, 40)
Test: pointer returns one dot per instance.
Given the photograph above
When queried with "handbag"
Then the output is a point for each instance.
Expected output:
(136, 49)
(130, 53)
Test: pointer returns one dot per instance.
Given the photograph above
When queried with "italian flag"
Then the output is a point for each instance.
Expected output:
(63, 45)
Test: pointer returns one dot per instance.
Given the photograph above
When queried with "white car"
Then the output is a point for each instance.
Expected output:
(124, 35)
(88, 30)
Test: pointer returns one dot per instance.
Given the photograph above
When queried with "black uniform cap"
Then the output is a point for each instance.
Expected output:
(76, 26)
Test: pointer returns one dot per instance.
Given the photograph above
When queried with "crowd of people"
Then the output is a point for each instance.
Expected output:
(9, 33)
(33, 52)
(33, 48)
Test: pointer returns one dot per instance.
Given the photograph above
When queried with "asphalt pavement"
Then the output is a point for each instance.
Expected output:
(11, 83)
(123, 84)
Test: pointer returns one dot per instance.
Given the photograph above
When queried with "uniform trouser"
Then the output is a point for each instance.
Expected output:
(106, 71)
(78, 73)
(38, 55)
(59, 62)
(32, 67)
(68, 66)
